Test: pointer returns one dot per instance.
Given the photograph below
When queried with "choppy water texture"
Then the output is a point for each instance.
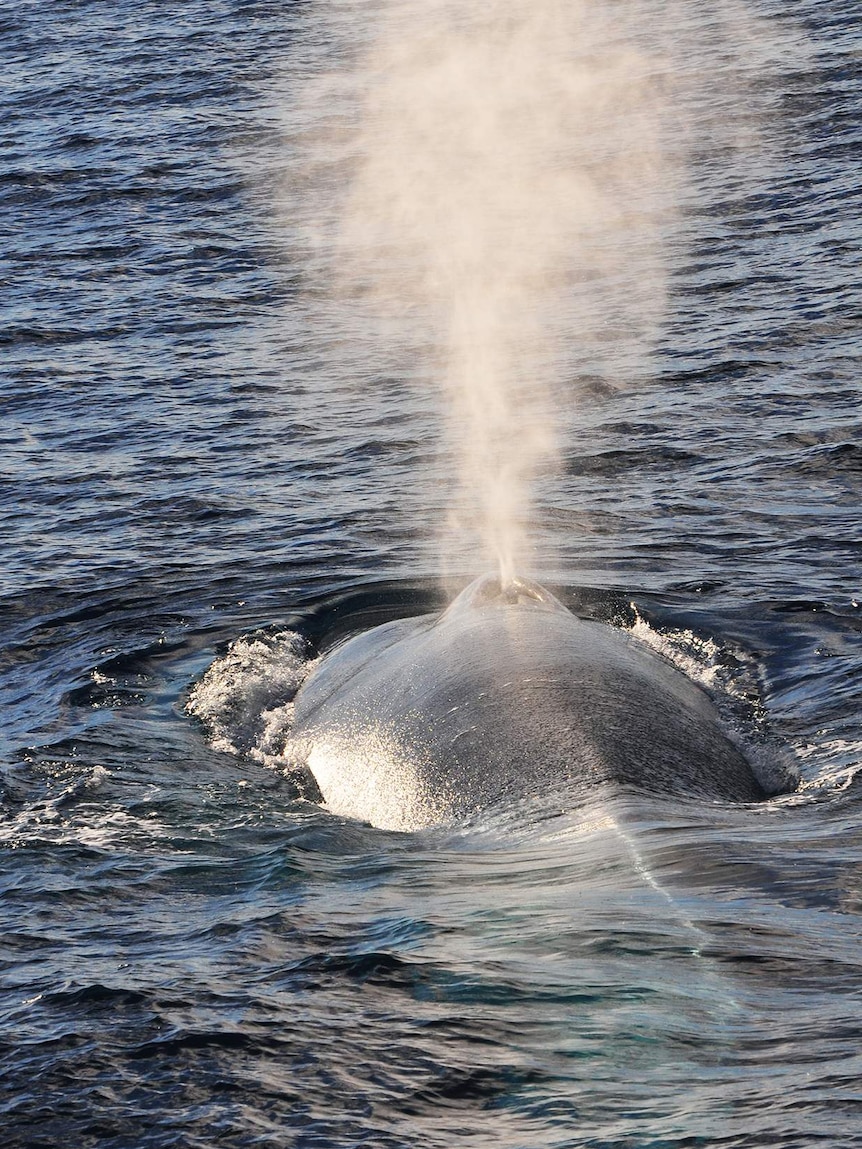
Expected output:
(192, 955)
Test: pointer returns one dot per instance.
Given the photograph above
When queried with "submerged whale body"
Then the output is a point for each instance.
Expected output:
(506, 694)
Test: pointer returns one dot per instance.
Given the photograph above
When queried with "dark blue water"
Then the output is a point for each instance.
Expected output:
(191, 954)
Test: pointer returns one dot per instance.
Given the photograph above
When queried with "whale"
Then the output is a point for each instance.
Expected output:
(504, 696)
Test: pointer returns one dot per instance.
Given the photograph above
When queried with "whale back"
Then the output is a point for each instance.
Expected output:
(505, 694)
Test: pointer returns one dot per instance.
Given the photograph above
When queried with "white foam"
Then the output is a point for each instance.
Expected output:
(698, 658)
(245, 699)
(734, 687)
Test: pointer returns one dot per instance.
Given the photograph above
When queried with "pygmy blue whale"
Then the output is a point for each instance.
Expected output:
(504, 695)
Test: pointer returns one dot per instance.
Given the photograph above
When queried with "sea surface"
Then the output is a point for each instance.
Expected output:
(192, 954)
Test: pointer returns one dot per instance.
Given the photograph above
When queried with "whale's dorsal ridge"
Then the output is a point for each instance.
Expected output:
(489, 590)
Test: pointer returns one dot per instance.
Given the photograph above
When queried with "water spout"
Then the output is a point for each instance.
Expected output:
(495, 181)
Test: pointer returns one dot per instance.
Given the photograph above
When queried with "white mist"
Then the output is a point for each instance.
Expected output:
(495, 181)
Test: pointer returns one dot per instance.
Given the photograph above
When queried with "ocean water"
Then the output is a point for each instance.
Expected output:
(202, 458)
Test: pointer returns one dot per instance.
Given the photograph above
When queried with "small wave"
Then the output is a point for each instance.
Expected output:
(47, 822)
(832, 766)
(47, 810)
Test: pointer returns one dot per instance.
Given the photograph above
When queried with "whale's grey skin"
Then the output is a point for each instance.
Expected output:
(504, 695)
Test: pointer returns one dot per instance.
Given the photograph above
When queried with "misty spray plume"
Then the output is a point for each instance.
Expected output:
(491, 178)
